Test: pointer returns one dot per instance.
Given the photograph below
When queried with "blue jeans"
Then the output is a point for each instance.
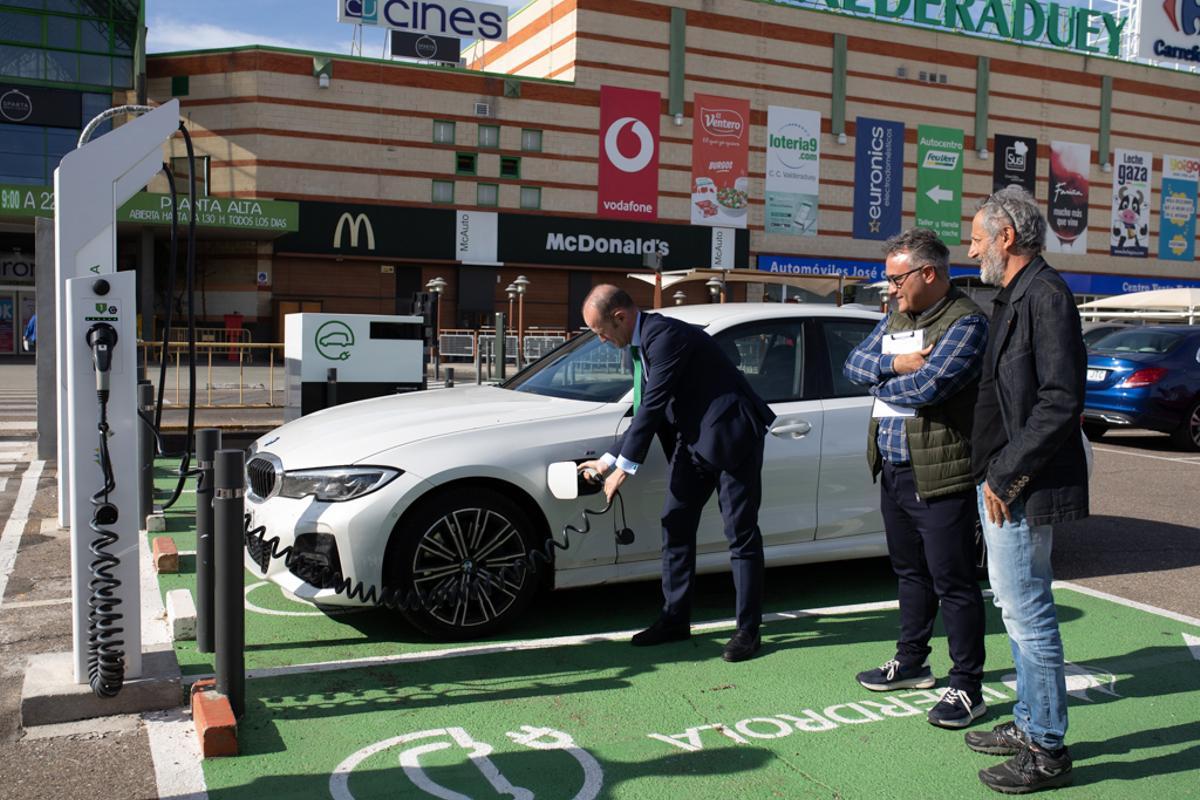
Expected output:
(1020, 574)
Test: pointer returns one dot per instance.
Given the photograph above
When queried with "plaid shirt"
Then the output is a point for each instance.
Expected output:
(956, 360)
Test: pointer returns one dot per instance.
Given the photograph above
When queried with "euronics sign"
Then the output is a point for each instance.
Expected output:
(1057, 25)
(465, 20)
(274, 216)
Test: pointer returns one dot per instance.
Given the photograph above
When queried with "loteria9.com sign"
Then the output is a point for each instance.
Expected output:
(628, 179)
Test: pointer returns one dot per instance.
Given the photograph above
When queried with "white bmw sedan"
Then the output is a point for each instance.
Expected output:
(443, 489)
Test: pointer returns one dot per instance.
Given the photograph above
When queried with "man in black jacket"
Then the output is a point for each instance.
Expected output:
(711, 425)
(1029, 462)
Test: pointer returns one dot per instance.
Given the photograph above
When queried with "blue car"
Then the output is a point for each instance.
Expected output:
(1146, 378)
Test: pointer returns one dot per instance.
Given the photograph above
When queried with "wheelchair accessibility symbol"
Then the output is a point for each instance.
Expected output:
(415, 746)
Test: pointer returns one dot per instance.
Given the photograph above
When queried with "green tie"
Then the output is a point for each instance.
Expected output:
(637, 377)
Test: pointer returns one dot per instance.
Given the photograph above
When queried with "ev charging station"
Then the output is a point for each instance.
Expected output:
(97, 378)
(365, 355)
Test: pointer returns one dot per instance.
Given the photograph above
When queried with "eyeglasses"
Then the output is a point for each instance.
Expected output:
(898, 280)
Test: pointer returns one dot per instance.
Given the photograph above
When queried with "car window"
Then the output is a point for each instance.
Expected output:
(1139, 341)
(582, 369)
(770, 354)
(842, 336)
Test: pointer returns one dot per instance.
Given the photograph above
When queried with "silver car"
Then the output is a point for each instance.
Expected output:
(428, 497)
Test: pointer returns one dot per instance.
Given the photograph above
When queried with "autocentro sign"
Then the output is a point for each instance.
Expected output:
(1055, 24)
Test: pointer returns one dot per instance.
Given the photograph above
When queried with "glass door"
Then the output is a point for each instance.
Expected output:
(9, 335)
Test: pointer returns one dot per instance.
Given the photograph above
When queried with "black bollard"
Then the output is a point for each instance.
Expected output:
(146, 438)
(449, 377)
(208, 442)
(230, 623)
(331, 387)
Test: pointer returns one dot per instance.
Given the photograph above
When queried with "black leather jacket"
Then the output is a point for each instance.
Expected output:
(1039, 369)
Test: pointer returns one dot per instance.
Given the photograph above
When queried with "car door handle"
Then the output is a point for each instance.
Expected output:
(794, 429)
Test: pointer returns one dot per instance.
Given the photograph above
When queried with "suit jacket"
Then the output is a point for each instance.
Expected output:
(695, 395)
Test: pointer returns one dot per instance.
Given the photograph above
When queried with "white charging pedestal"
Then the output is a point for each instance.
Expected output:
(108, 299)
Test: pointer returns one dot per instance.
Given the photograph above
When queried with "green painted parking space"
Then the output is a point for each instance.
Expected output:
(608, 720)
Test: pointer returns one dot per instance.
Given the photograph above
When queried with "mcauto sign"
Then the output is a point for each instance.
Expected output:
(1054, 24)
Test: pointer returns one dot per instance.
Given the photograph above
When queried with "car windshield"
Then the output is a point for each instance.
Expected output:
(1139, 341)
(584, 368)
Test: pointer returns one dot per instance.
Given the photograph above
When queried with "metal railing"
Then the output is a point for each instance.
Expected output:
(230, 374)
(462, 343)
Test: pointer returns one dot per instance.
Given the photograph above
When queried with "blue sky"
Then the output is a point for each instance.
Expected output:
(304, 24)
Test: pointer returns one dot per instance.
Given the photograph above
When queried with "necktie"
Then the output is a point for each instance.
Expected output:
(634, 352)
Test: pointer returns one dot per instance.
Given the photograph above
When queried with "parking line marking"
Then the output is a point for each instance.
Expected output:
(545, 643)
(1177, 460)
(10, 537)
(1122, 601)
(175, 751)
(36, 603)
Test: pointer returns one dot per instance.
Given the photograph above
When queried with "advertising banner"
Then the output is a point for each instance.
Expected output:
(793, 170)
(720, 161)
(939, 181)
(1177, 217)
(878, 178)
(1015, 162)
(1067, 208)
(1131, 203)
(628, 185)
(1170, 31)
(475, 237)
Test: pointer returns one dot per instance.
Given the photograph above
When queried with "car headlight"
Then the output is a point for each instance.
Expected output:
(335, 484)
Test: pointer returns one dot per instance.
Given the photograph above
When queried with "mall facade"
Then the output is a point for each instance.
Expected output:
(605, 136)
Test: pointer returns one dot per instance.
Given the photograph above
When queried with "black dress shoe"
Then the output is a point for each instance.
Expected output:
(744, 644)
(660, 632)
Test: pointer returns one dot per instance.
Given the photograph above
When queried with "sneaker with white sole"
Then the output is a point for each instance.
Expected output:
(958, 708)
(894, 675)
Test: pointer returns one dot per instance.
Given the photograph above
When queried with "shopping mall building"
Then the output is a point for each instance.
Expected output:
(605, 135)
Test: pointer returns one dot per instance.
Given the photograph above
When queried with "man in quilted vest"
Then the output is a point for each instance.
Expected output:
(922, 363)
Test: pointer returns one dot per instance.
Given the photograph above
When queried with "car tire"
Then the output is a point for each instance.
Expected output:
(1094, 430)
(1187, 435)
(441, 543)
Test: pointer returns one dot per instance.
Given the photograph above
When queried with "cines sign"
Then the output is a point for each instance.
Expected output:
(457, 18)
(1024, 21)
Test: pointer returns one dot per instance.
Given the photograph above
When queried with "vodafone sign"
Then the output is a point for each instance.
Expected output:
(628, 185)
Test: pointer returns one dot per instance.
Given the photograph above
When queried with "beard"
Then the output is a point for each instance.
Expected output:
(991, 265)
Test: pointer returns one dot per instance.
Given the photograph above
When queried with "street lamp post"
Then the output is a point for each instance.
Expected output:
(521, 283)
(511, 291)
(437, 286)
(679, 297)
(716, 289)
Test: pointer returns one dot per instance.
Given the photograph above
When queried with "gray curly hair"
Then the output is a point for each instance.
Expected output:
(1015, 207)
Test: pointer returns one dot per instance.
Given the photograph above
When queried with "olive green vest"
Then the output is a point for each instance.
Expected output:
(939, 437)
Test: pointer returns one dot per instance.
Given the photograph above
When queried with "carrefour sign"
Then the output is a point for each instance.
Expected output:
(1170, 31)
(1023, 21)
(458, 18)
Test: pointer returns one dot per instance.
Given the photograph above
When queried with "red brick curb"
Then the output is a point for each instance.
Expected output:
(215, 724)
(166, 555)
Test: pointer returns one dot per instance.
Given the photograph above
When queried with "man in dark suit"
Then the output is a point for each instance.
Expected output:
(711, 425)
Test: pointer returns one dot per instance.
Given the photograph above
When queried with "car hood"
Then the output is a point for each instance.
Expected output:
(354, 432)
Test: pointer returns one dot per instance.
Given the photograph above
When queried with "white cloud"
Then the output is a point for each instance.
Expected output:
(165, 36)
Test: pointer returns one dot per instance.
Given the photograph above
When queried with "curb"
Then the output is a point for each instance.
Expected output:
(213, 717)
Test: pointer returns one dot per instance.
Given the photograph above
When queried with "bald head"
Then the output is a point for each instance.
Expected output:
(607, 298)
(611, 314)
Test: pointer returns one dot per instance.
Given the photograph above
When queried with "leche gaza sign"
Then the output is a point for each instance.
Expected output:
(459, 18)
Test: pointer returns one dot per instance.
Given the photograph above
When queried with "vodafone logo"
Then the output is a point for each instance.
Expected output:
(645, 151)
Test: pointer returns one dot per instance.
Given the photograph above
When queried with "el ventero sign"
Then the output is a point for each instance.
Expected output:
(149, 208)
(1023, 21)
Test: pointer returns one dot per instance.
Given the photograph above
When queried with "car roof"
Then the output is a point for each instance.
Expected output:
(1184, 330)
(730, 313)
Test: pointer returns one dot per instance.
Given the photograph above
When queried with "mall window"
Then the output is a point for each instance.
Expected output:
(487, 194)
(179, 165)
(531, 141)
(69, 42)
(531, 197)
(489, 136)
(510, 167)
(464, 164)
(180, 86)
(443, 132)
(443, 191)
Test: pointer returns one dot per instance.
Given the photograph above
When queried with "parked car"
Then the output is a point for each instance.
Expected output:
(1095, 331)
(1146, 377)
(429, 488)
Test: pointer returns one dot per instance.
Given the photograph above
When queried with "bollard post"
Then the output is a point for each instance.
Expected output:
(449, 377)
(331, 387)
(228, 508)
(147, 448)
(479, 340)
(498, 350)
(208, 442)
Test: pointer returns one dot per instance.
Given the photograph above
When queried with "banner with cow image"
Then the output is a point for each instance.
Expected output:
(1130, 232)
(720, 161)
(793, 170)
(1177, 216)
(628, 179)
